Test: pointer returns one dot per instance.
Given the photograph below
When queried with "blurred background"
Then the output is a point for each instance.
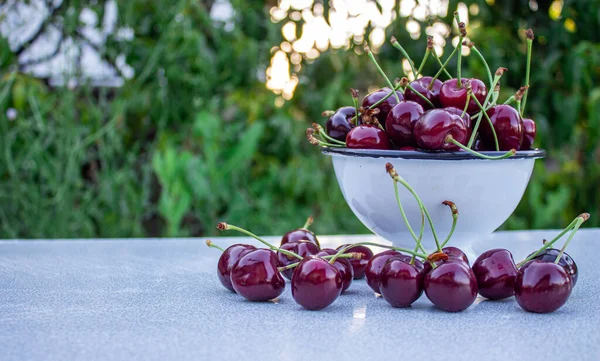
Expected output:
(136, 118)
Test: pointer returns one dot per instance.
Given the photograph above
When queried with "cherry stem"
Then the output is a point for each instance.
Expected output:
(450, 139)
(222, 226)
(420, 95)
(398, 86)
(529, 34)
(454, 210)
(497, 77)
(510, 100)
(437, 75)
(347, 255)
(462, 33)
(578, 223)
(309, 222)
(485, 64)
(427, 52)
(549, 244)
(212, 245)
(397, 45)
(372, 57)
(466, 105)
(489, 121)
(400, 249)
(325, 137)
(441, 64)
(354, 93)
(397, 178)
(410, 229)
(314, 141)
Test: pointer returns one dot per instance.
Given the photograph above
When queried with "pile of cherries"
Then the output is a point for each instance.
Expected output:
(459, 114)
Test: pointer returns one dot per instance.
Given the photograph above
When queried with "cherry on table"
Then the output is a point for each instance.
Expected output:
(400, 122)
(495, 271)
(301, 248)
(452, 96)
(542, 287)
(359, 265)
(421, 85)
(565, 261)
(339, 124)
(385, 106)
(508, 126)
(375, 265)
(529, 131)
(401, 283)
(367, 136)
(451, 286)
(300, 234)
(343, 266)
(316, 283)
(452, 253)
(255, 276)
(228, 259)
(432, 128)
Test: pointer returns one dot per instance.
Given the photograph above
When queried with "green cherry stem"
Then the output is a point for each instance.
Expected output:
(410, 229)
(487, 117)
(466, 105)
(404, 82)
(510, 100)
(223, 226)
(372, 57)
(397, 45)
(584, 217)
(497, 77)
(400, 249)
(450, 139)
(530, 37)
(308, 223)
(495, 96)
(329, 257)
(441, 64)
(323, 134)
(443, 68)
(212, 245)
(393, 92)
(519, 95)
(485, 64)
(463, 33)
(354, 93)
(314, 141)
(426, 56)
(454, 211)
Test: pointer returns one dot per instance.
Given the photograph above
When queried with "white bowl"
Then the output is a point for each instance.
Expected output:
(486, 192)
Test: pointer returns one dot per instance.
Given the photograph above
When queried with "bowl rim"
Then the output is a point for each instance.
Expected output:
(416, 154)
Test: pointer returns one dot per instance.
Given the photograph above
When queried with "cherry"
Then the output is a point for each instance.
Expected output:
(300, 234)
(508, 126)
(339, 124)
(566, 261)
(401, 120)
(359, 265)
(255, 276)
(451, 96)
(495, 271)
(452, 253)
(385, 106)
(529, 132)
(451, 286)
(228, 259)
(421, 85)
(367, 136)
(375, 265)
(465, 118)
(316, 283)
(435, 125)
(542, 287)
(302, 248)
(343, 266)
(401, 283)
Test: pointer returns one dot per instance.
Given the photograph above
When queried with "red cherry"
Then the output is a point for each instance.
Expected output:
(300, 234)
(375, 265)
(401, 120)
(451, 96)
(452, 253)
(401, 283)
(451, 286)
(542, 287)
(228, 259)
(508, 126)
(385, 106)
(301, 248)
(421, 85)
(255, 276)
(338, 125)
(529, 132)
(359, 265)
(433, 127)
(343, 266)
(367, 136)
(495, 271)
(316, 283)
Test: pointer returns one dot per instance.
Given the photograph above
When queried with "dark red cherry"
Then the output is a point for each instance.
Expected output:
(495, 271)
(300, 234)
(339, 124)
(228, 259)
(343, 266)
(400, 122)
(301, 248)
(401, 283)
(255, 276)
(529, 132)
(316, 283)
(367, 136)
(451, 96)
(542, 287)
(566, 261)
(452, 253)
(375, 265)
(385, 106)
(359, 265)
(451, 286)
(433, 127)
(465, 118)
(421, 85)
(508, 126)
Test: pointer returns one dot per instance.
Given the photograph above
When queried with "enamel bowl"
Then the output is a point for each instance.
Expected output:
(486, 192)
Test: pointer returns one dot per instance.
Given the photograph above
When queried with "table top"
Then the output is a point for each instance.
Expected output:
(160, 299)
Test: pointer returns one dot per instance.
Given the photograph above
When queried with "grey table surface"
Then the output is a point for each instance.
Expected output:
(160, 299)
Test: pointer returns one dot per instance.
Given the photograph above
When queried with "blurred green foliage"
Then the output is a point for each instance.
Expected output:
(195, 137)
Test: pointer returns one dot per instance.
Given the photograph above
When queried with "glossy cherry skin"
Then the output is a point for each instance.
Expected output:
(465, 118)
(255, 276)
(452, 253)
(385, 106)
(316, 283)
(451, 96)
(339, 124)
(495, 271)
(529, 131)
(300, 234)
(228, 259)
(451, 286)
(421, 85)
(542, 287)
(401, 121)
(375, 265)
(433, 127)
(343, 266)
(301, 248)
(401, 283)
(508, 125)
(367, 136)
(359, 265)
(566, 261)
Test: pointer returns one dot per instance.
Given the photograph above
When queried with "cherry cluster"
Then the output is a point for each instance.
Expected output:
(459, 114)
